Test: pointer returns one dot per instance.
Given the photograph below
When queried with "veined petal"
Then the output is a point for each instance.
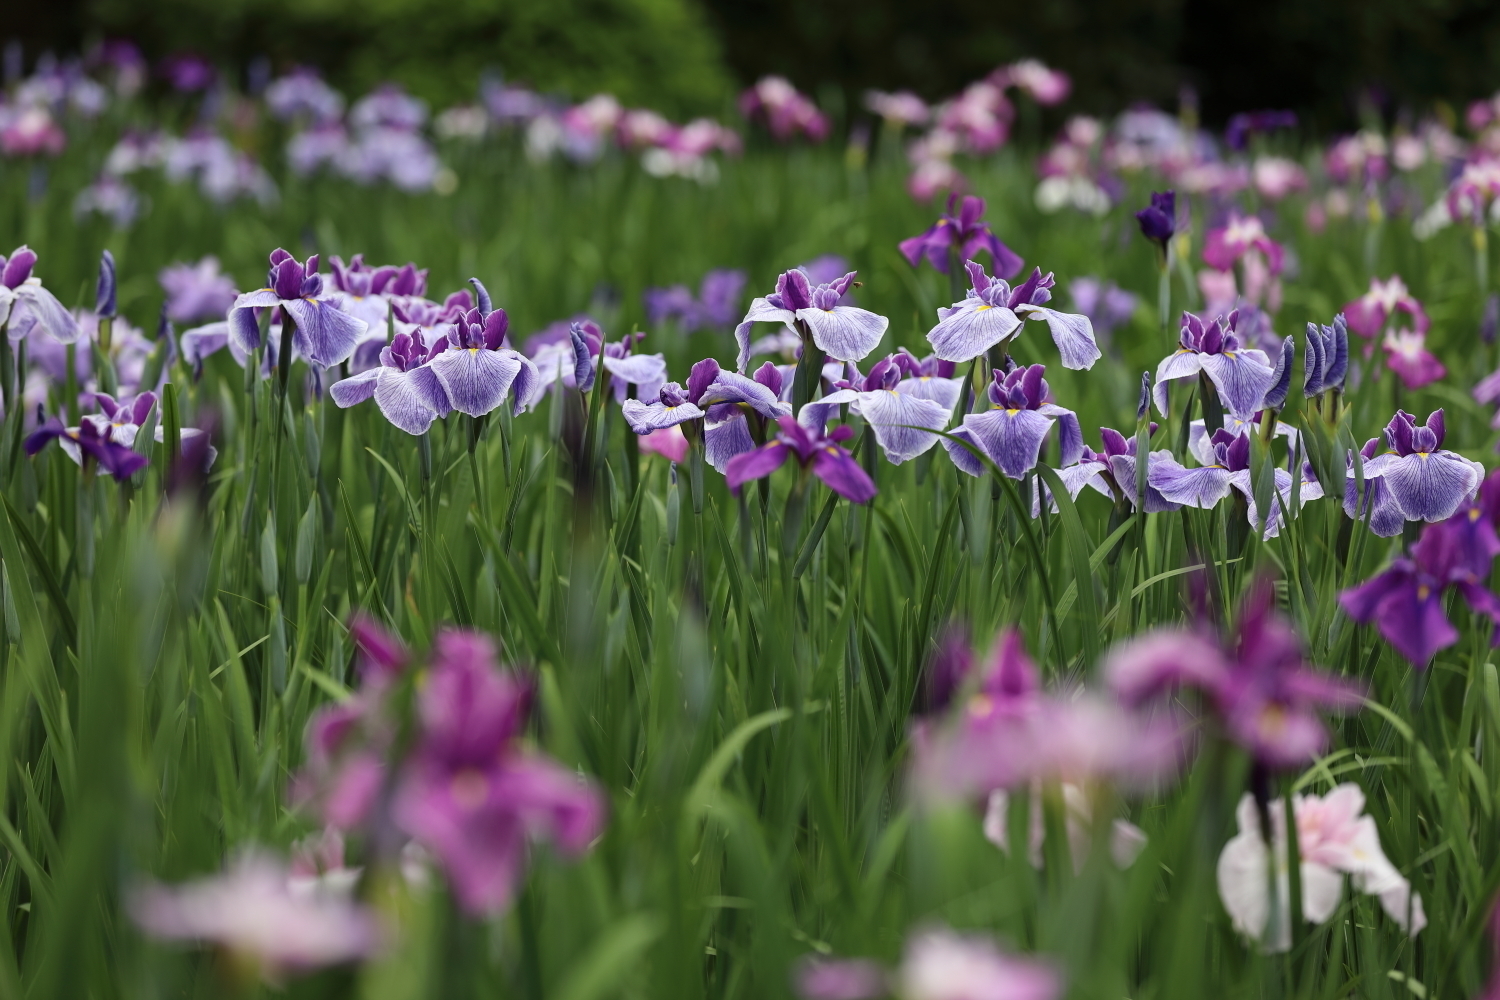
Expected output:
(847, 333)
(1190, 487)
(1241, 381)
(48, 313)
(755, 464)
(731, 387)
(1123, 468)
(407, 398)
(647, 371)
(1073, 334)
(527, 387)
(962, 457)
(261, 297)
(761, 311)
(355, 388)
(324, 335)
(1429, 486)
(475, 380)
(1386, 516)
(971, 329)
(201, 341)
(244, 330)
(724, 440)
(1011, 438)
(1069, 432)
(1181, 364)
(1074, 479)
(943, 391)
(645, 418)
(894, 416)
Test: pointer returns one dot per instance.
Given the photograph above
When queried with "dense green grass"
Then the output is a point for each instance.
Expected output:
(749, 725)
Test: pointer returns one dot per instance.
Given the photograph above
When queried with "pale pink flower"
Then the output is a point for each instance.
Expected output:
(668, 442)
(1275, 177)
(1126, 840)
(1220, 293)
(1334, 840)
(1369, 314)
(939, 964)
(1046, 86)
(900, 108)
(252, 912)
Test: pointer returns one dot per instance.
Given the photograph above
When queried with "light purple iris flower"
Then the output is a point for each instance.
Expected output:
(477, 370)
(966, 234)
(1379, 508)
(1229, 470)
(1011, 432)
(25, 305)
(1241, 375)
(405, 386)
(813, 449)
(894, 416)
(302, 94)
(1111, 472)
(1257, 680)
(928, 378)
(196, 292)
(727, 395)
(1426, 482)
(847, 333)
(471, 794)
(1405, 601)
(992, 312)
(324, 335)
(716, 306)
(1106, 304)
(367, 292)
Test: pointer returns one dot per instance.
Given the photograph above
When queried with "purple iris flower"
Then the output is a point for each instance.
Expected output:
(992, 313)
(470, 793)
(1111, 472)
(966, 234)
(1258, 682)
(404, 385)
(1326, 364)
(674, 303)
(893, 415)
(717, 304)
(647, 372)
(120, 461)
(670, 408)
(1158, 221)
(1229, 470)
(1384, 514)
(25, 305)
(477, 370)
(1011, 432)
(1107, 305)
(105, 290)
(847, 333)
(1406, 601)
(324, 335)
(1242, 375)
(1425, 482)
(1245, 124)
(928, 378)
(188, 73)
(812, 449)
(367, 292)
(198, 291)
(728, 396)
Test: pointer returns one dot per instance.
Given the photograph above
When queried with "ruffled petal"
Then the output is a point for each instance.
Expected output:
(1181, 364)
(971, 328)
(324, 335)
(644, 418)
(475, 380)
(845, 332)
(1011, 438)
(406, 398)
(724, 440)
(730, 387)
(46, 312)
(1429, 486)
(1190, 487)
(838, 469)
(761, 311)
(962, 457)
(354, 389)
(1241, 380)
(943, 391)
(894, 416)
(1073, 334)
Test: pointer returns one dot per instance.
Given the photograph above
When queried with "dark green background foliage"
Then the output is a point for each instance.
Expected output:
(1325, 58)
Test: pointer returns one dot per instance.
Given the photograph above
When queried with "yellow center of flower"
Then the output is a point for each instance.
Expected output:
(1423, 592)
(469, 789)
(1012, 412)
(981, 705)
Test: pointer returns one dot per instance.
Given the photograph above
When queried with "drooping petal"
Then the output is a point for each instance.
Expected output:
(645, 418)
(1161, 660)
(970, 329)
(1180, 364)
(527, 387)
(724, 440)
(962, 457)
(847, 333)
(1069, 432)
(324, 335)
(1072, 333)
(894, 418)
(1385, 514)
(755, 464)
(410, 400)
(243, 330)
(1191, 487)
(475, 380)
(646, 371)
(48, 313)
(1429, 486)
(731, 387)
(761, 311)
(354, 389)
(1011, 438)
(837, 468)
(201, 341)
(1074, 479)
(1241, 380)
(943, 391)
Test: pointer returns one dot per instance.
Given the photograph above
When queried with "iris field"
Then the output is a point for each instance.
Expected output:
(703, 693)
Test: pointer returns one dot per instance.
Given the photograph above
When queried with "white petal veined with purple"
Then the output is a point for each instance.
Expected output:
(1074, 479)
(1203, 487)
(1308, 491)
(324, 335)
(475, 380)
(1071, 332)
(1242, 378)
(724, 439)
(35, 307)
(967, 330)
(761, 311)
(244, 331)
(1200, 445)
(895, 417)
(1011, 438)
(410, 400)
(944, 391)
(1181, 363)
(847, 333)
(1427, 486)
(644, 418)
(648, 372)
(963, 458)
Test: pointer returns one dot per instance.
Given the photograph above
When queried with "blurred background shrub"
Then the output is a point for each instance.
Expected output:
(1332, 60)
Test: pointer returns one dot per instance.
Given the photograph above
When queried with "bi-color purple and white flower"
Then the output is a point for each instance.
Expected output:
(324, 335)
(812, 448)
(1230, 470)
(1010, 433)
(1242, 376)
(895, 416)
(992, 312)
(846, 333)
(25, 305)
(1426, 482)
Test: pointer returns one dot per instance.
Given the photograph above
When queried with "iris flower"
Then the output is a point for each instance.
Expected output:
(404, 385)
(1369, 314)
(893, 415)
(847, 333)
(92, 442)
(965, 234)
(1426, 482)
(721, 399)
(1229, 470)
(1407, 355)
(477, 370)
(1111, 472)
(1242, 376)
(1326, 363)
(324, 335)
(25, 304)
(937, 964)
(1223, 246)
(1011, 432)
(814, 450)
(1158, 221)
(992, 313)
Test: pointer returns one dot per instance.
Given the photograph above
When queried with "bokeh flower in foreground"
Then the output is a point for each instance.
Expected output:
(938, 964)
(814, 449)
(1334, 840)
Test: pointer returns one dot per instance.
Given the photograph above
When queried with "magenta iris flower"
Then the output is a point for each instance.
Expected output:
(324, 335)
(1369, 314)
(1257, 680)
(1405, 601)
(1242, 234)
(1010, 433)
(992, 313)
(814, 450)
(965, 234)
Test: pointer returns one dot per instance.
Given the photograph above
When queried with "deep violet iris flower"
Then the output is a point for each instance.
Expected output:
(1326, 363)
(847, 333)
(1158, 221)
(324, 335)
(1405, 601)
(965, 234)
(821, 453)
(1241, 375)
(1257, 680)
(93, 442)
(1011, 432)
(992, 312)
